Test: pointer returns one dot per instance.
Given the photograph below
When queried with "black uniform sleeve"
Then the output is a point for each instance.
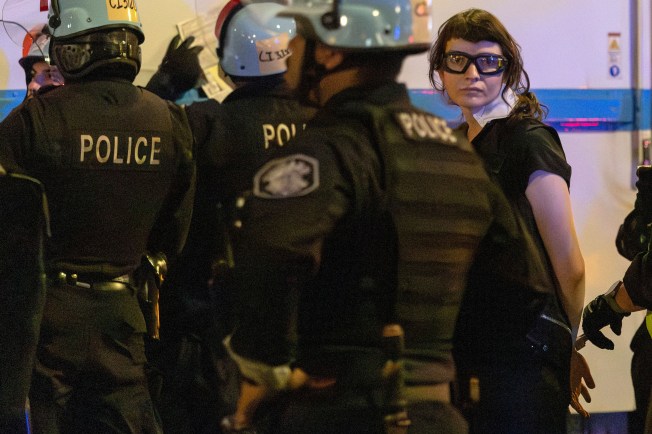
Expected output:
(638, 280)
(200, 115)
(284, 228)
(172, 224)
(12, 131)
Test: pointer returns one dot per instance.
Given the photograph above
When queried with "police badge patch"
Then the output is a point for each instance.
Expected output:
(291, 176)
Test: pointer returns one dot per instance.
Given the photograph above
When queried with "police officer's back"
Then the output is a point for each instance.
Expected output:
(115, 161)
(232, 140)
(258, 116)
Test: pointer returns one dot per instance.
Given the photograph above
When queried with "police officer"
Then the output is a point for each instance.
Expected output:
(23, 230)
(233, 139)
(631, 294)
(377, 201)
(116, 164)
(40, 74)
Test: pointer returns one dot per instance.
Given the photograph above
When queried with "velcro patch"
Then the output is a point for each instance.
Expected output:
(291, 176)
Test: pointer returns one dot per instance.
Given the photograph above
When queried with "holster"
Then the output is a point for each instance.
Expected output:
(148, 279)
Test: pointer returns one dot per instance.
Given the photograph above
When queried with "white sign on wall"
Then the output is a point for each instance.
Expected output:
(614, 51)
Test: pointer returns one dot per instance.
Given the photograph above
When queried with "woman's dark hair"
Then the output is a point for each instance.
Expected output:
(475, 25)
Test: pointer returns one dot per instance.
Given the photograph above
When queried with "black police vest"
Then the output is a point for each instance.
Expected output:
(23, 230)
(251, 123)
(233, 140)
(105, 153)
(436, 193)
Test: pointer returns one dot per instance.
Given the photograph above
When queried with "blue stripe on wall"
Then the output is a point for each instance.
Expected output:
(569, 110)
(10, 99)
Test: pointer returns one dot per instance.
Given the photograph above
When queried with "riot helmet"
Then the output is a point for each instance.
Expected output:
(252, 40)
(87, 35)
(365, 25)
(36, 47)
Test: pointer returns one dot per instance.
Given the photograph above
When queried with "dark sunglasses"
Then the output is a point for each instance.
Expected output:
(457, 62)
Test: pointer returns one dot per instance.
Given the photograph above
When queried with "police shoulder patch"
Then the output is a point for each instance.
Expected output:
(291, 176)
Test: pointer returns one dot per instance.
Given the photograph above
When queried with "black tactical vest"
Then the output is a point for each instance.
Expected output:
(441, 205)
(107, 155)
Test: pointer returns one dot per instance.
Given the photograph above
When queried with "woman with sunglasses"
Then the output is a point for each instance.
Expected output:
(520, 364)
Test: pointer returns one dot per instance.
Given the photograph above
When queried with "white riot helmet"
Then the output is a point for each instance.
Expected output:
(87, 34)
(36, 47)
(252, 40)
(365, 25)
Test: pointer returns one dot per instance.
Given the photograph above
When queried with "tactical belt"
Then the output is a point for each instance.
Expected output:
(119, 283)
(440, 392)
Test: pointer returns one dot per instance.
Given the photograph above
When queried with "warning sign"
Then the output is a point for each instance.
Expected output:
(614, 53)
(614, 42)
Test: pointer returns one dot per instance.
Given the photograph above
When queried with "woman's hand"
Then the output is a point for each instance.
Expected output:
(579, 371)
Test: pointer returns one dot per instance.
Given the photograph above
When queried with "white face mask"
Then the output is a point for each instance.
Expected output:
(498, 108)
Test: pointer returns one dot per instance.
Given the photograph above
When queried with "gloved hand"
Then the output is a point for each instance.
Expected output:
(633, 236)
(179, 70)
(600, 313)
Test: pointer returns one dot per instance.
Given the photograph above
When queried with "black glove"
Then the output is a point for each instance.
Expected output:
(633, 236)
(179, 70)
(600, 313)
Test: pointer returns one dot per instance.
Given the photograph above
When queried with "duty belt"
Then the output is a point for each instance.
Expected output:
(119, 283)
(434, 392)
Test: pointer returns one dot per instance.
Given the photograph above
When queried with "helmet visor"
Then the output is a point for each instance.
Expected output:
(76, 55)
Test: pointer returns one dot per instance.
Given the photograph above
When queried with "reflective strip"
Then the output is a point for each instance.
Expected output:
(648, 322)
(559, 323)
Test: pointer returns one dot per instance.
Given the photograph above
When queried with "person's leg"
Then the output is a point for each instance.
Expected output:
(436, 417)
(641, 373)
(517, 398)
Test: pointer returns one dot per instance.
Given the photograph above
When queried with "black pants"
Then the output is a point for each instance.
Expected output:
(641, 380)
(522, 396)
(90, 369)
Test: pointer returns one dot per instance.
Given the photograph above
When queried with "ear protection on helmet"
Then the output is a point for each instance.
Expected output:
(54, 21)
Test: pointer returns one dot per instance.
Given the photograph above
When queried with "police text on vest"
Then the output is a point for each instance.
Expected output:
(421, 126)
(133, 151)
